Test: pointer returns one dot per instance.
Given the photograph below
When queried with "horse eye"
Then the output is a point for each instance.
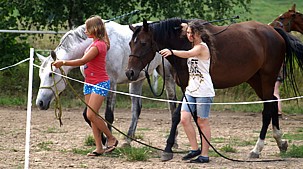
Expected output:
(50, 74)
(143, 43)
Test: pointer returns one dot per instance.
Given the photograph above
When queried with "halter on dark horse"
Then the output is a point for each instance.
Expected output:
(246, 52)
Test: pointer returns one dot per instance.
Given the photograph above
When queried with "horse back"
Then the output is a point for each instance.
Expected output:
(243, 50)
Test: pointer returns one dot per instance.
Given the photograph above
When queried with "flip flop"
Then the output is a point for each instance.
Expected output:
(111, 148)
(94, 153)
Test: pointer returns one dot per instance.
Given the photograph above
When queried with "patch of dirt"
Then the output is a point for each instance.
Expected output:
(153, 126)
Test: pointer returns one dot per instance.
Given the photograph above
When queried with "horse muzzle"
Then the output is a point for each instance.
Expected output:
(131, 74)
(42, 105)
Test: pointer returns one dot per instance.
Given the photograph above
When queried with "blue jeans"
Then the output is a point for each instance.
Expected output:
(100, 88)
(202, 109)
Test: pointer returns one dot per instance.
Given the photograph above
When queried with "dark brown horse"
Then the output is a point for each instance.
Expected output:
(249, 52)
(290, 20)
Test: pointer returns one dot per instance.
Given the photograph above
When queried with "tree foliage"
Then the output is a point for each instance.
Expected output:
(13, 47)
(54, 15)
(67, 14)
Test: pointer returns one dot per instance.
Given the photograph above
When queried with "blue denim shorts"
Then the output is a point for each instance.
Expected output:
(202, 109)
(100, 88)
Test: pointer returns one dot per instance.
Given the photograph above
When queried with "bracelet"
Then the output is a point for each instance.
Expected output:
(63, 62)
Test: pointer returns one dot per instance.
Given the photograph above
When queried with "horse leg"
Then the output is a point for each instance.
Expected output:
(85, 117)
(270, 112)
(168, 153)
(277, 133)
(134, 88)
(266, 118)
(110, 105)
(170, 87)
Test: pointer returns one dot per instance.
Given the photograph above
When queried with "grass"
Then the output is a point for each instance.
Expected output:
(296, 135)
(129, 153)
(135, 154)
(45, 145)
(266, 11)
(89, 141)
(14, 91)
(83, 151)
(293, 152)
(228, 149)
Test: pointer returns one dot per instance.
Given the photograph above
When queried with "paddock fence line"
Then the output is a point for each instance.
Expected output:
(29, 102)
(31, 31)
(155, 99)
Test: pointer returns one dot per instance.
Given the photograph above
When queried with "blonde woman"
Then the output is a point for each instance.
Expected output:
(97, 80)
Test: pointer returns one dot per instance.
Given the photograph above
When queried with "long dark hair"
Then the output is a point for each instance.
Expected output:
(197, 27)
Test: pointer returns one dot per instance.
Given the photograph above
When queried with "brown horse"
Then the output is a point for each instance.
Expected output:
(249, 52)
(290, 20)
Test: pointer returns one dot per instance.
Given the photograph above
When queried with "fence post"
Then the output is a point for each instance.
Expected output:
(29, 108)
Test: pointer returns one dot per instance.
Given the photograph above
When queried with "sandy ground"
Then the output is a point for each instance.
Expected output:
(153, 127)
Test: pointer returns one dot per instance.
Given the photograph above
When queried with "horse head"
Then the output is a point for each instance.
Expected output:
(290, 20)
(149, 39)
(51, 84)
(72, 46)
(143, 50)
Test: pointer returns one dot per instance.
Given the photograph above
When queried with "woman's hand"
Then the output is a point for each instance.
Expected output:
(166, 52)
(58, 63)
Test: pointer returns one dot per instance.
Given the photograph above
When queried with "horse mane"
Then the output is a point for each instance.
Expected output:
(44, 64)
(72, 37)
(167, 28)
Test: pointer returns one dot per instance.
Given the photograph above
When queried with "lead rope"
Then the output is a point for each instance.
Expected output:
(194, 115)
(149, 82)
(58, 106)
(108, 123)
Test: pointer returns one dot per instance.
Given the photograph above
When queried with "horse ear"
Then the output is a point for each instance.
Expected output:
(293, 7)
(145, 25)
(41, 57)
(131, 27)
(53, 55)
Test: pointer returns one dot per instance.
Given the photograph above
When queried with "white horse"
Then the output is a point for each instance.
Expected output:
(72, 46)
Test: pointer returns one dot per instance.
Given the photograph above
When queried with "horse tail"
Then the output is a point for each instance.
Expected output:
(294, 53)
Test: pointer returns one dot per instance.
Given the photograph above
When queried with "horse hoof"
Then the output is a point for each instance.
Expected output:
(166, 156)
(284, 146)
(176, 146)
(253, 155)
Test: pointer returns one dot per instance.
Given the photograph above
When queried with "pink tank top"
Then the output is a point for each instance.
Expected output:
(95, 70)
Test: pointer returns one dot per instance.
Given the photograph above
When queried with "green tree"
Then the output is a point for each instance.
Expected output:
(13, 47)
(55, 15)
(67, 14)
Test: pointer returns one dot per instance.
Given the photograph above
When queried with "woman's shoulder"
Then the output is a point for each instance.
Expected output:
(203, 44)
(99, 42)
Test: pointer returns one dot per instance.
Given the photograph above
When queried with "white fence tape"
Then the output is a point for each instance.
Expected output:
(32, 32)
(174, 101)
(162, 100)
(29, 102)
